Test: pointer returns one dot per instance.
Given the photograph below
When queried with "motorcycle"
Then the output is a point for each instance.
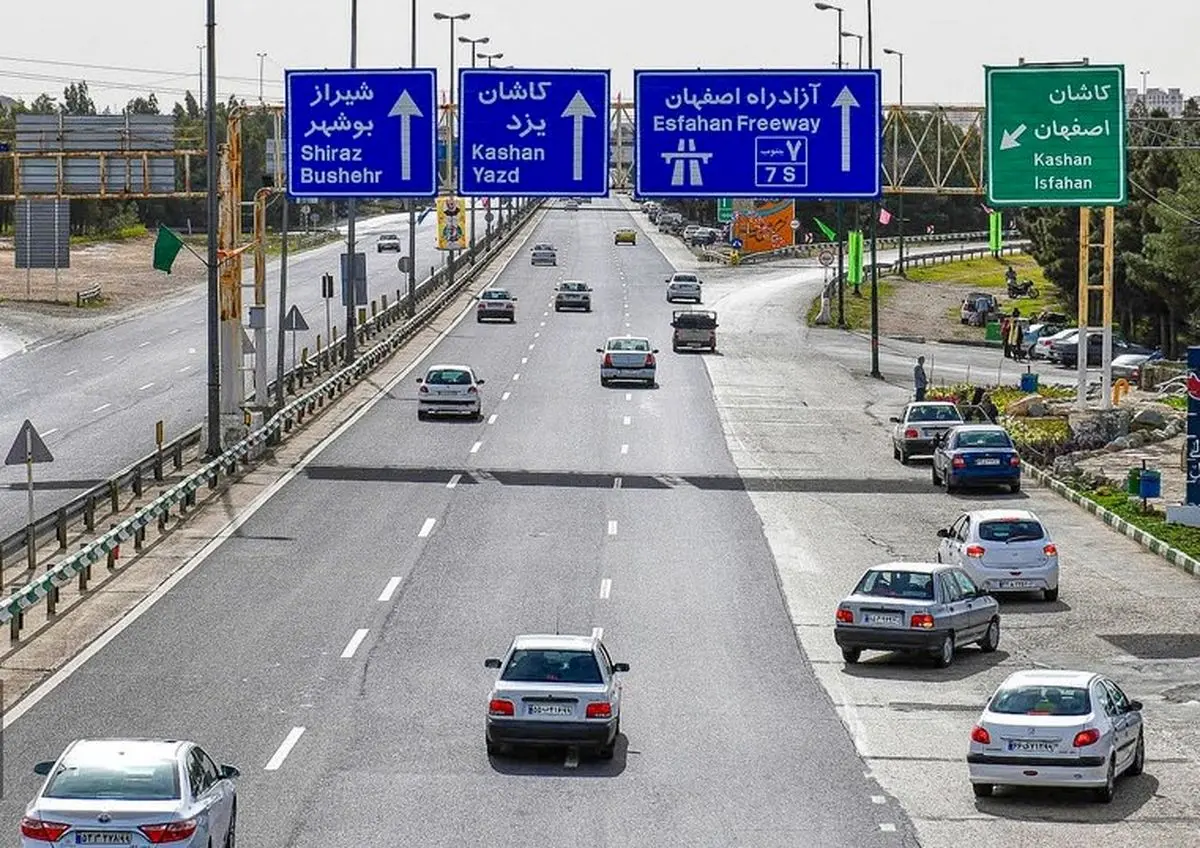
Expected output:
(1025, 288)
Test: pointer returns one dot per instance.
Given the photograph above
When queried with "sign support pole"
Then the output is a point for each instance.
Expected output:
(352, 285)
(1085, 227)
(875, 292)
(1106, 352)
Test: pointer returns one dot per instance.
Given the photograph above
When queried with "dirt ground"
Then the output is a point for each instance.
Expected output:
(33, 305)
(922, 309)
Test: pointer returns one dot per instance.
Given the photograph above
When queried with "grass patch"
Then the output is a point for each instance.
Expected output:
(1175, 401)
(1153, 521)
(988, 273)
(122, 234)
(858, 309)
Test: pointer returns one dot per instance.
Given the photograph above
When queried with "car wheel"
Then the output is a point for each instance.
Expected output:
(902, 456)
(1104, 794)
(1015, 487)
(512, 319)
(1139, 757)
(982, 790)
(477, 415)
(422, 415)
(557, 308)
(851, 655)
(991, 639)
(604, 382)
(494, 749)
(895, 451)
(606, 752)
(674, 348)
(945, 654)
(936, 480)
(950, 486)
(478, 319)
(231, 834)
(650, 383)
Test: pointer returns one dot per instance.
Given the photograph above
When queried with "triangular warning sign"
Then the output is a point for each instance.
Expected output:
(28, 447)
(294, 321)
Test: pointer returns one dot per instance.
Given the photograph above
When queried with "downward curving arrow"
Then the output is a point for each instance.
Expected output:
(1008, 140)
(578, 109)
(845, 101)
(405, 109)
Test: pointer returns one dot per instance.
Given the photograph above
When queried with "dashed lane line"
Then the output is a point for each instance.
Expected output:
(285, 748)
(102, 408)
(453, 481)
(492, 418)
(612, 527)
(516, 376)
(355, 641)
(624, 449)
(506, 396)
(389, 590)
(143, 388)
(475, 447)
(627, 420)
(426, 528)
(605, 588)
(597, 632)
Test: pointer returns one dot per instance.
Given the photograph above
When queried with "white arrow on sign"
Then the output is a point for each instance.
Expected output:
(1009, 139)
(578, 109)
(845, 101)
(405, 109)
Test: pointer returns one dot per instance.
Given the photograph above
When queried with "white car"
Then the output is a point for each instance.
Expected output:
(496, 303)
(388, 241)
(1003, 550)
(628, 358)
(449, 390)
(1056, 728)
(133, 792)
(555, 691)
(682, 286)
(1045, 344)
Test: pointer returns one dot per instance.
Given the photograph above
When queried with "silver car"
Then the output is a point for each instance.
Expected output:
(919, 425)
(133, 792)
(555, 691)
(573, 294)
(388, 241)
(1003, 550)
(919, 607)
(628, 358)
(543, 253)
(449, 390)
(682, 286)
(496, 303)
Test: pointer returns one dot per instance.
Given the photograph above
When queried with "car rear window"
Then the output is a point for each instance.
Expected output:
(156, 780)
(983, 439)
(539, 666)
(543, 247)
(685, 278)
(695, 321)
(495, 294)
(1011, 530)
(572, 287)
(449, 377)
(897, 584)
(1042, 700)
(629, 344)
(934, 413)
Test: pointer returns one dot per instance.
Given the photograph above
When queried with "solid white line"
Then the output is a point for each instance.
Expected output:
(71, 372)
(453, 481)
(627, 421)
(629, 396)
(38, 693)
(355, 641)
(624, 449)
(506, 396)
(612, 528)
(597, 632)
(284, 749)
(492, 418)
(516, 376)
(475, 447)
(102, 408)
(143, 388)
(426, 528)
(389, 590)
(605, 588)
(50, 431)
(572, 760)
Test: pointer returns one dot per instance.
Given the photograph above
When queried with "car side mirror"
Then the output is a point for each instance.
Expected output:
(599, 350)
(1134, 706)
(654, 351)
(667, 280)
(420, 379)
(480, 382)
(491, 662)
(44, 769)
(943, 533)
(625, 667)
(229, 773)
(894, 420)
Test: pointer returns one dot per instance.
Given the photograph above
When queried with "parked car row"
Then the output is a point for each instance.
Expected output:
(672, 222)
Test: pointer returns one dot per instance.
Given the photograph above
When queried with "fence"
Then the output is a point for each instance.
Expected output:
(88, 295)
(808, 251)
(182, 495)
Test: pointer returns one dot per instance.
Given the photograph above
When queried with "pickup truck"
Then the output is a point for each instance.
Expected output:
(694, 328)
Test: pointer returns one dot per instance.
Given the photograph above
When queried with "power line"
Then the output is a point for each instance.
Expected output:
(1155, 199)
(95, 84)
(158, 71)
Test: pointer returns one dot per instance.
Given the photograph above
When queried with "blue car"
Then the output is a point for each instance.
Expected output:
(976, 455)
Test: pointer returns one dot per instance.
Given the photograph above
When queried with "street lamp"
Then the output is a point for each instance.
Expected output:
(262, 57)
(411, 308)
(1144, 75)
(860, 44)
(490, 57)
(453, 19)
(474, 42)
(838, 208)
(896, 158)
(874, 229)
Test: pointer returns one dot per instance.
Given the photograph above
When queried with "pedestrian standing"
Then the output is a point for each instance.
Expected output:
(1014, 334)
(1004, 337)
(920, 381)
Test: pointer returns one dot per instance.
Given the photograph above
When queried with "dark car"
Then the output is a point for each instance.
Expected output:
(1068, 353)
(976, 455)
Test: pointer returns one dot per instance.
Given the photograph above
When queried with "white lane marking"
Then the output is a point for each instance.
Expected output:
(426, 528)
(492, 418)
(535, 335)
(102, 408)
(524, 360)
(627, 420)
(173, 332)
(605, 588)
(887, 827)
(185, 369)
(39, 693)
(543, 324)
(531, 347)
(110, 356)
(71, 372)
(144, 344)
(506, 396)
(544, 314)
(572, 760)
(389, 590)
(616, 482)
(626, 325)
(597, 632)
(516, 376)
(51, 431)
(878, 799)
(624, 449)
(453, 481)
(612, 527)
(355, 641)
(475, 447)
(143, 388)
(629, 396)
(285, 748)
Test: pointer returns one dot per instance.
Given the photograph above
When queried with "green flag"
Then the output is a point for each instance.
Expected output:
(166, 248)
(829, 233)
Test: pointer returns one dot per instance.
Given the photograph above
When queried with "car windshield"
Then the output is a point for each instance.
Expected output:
(1042, 700)
(389, 238)
(983, 439)
(155, 780)
(629, 344)
(934, 413)
(495, 294)
(449, 377)
(539, 666)
(1011, 530)
(897, 584)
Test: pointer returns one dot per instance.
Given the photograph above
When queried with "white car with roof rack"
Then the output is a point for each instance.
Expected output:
(1003, 550)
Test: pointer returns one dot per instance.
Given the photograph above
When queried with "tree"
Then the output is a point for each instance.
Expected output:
(143, 106)
(43, 105)
(77, 101)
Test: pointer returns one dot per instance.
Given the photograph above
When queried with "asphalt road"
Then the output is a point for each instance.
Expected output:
(360, 602)
(95, 398)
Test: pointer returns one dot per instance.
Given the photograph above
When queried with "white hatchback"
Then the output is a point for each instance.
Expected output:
(1056, 728)
(684, 287)
(1004, 550)
(449, 390)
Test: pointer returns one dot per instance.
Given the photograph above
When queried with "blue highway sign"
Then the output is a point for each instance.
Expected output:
(798, 134)
(533, 133)
(362, 133)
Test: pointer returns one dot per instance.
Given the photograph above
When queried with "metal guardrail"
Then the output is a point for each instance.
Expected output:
(88, 295)
(183, 494)
(807, 251)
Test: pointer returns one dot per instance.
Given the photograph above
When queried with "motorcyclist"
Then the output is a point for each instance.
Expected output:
(1010, 276)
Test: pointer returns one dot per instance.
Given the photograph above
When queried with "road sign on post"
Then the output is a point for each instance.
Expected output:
(360, 278)
(724, 210)
(1056, 135)
(533, 133)
(362, 133)
(798, 134)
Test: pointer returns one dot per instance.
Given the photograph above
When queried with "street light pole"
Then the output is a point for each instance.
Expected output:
(896, 159)
(860, 43)
(874, 232)
(857, 205)
(214, 212)
(262, 57)
(412, 201)
(449, 185)
(490, 57)
(474, 42)
(350, 280)
(838, 207)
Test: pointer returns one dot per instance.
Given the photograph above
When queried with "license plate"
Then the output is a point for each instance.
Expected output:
(987, 462)
(91, 837)
(890, 619)
(1017, 584)
(550, 709)
(1032, 746)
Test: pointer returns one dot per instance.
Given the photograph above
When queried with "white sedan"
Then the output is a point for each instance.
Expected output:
(1004, 550)
(1057, 728)
(449, 390)
(628, 358)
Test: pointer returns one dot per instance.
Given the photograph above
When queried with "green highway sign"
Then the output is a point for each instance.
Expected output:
(724, 209)
(1056, 135)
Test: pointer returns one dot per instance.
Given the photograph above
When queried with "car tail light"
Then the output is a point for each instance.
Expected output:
(845, 616)
(1014, 460)
(608, 360)
(1050, 550)
(980, 735)
(501, 707)
(424, 390)
(472, 391)
(649, 360)
(161, 834)
(42, 830)
(483, 306)
(922, 619)
(1134, 374)
(1086, 737)
(958, 462)
(910, 433)
(975, 551)
(599, 709)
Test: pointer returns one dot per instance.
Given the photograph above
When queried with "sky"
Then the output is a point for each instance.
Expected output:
(152, 44)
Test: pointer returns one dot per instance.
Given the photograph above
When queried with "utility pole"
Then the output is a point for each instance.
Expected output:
(214, 316)
(351, 275)
(474, 42)
(262, 57)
